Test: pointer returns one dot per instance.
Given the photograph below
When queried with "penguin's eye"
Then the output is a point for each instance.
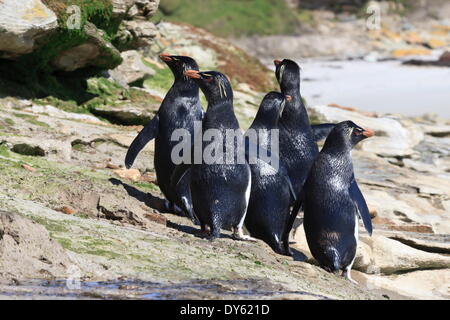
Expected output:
(207, 77)
(357, 131)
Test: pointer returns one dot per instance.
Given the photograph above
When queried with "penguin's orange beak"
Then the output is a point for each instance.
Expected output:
(165, 57)
(277, 62)
(368, 133)
(193, 74)
(288, 98)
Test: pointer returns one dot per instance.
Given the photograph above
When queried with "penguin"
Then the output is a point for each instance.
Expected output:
(298, 148)
(220, 189)
(271, 192)
(332, 201)
(180, 109)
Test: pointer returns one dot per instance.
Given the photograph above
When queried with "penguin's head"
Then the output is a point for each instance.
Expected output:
(214, 85)
(288, 74)
(272, 107)
(347, 134)
(179, 64)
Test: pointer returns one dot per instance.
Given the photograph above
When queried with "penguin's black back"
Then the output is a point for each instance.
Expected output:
(297, 146)
(330, 215)
(220, 191)
(270, 195)
(179, 109)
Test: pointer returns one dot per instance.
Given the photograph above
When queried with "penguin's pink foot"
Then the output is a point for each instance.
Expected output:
(205, 232)
(348, 276)
(238, 234)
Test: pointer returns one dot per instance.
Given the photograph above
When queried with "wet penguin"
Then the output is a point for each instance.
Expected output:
(298, 148)
(332, 201)
(271, 192)
(179, 109)
(220, 189)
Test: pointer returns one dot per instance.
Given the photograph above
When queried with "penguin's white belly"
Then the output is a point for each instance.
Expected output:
(247, 197)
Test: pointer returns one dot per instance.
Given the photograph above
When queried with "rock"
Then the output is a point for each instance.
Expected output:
(28, 252)
(439, 131)
(133, 8)
(23, 24)
(423, 244)
(147, 8)
(393, 137)
(435, 43)
(389, 257)
(28, 168)
(135, 34)
(39, 146)
(131, 174)
(112, 166)
(131, 70)
(399, 53)
(95, 52)
(127, 114)
(57, 113)
(67, 210)
(118, 207)
(412, 37)
(427, 284)
(403, 212)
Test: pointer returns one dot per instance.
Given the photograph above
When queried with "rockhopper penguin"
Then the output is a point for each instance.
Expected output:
(332, 201)
(271, 193)
(179, 109)
(220, 190)
(298, 148)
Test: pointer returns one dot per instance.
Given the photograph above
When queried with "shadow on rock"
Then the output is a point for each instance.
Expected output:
(298, 256)
(147, 198)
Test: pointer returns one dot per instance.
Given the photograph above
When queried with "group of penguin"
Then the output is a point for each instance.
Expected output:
(265, 200)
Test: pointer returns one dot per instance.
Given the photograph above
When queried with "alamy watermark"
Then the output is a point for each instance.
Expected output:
(214, 146)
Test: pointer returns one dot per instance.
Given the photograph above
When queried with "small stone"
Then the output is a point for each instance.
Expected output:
(149, 177)
(435, 43)
(411, 52)
(112, 166)
(131, 174)
(67, 210)
(28, 168)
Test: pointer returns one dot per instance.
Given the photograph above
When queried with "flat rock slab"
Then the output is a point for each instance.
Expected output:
(22, 23)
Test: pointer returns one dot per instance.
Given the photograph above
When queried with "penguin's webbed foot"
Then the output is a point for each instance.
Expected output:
(347, 275)
(205, 231)
(238, 234)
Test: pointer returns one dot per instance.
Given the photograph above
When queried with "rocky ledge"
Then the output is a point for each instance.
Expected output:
(89, 218)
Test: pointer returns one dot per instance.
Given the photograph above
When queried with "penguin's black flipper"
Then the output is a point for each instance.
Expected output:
(361, 205)
(321, 131)
(147, 134)
(291, 188)
(298, 204)
(178, 174)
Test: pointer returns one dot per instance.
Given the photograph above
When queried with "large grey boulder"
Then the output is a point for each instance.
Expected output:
(95, 52)
(28, 252)
(22, 24)
(132, 69)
